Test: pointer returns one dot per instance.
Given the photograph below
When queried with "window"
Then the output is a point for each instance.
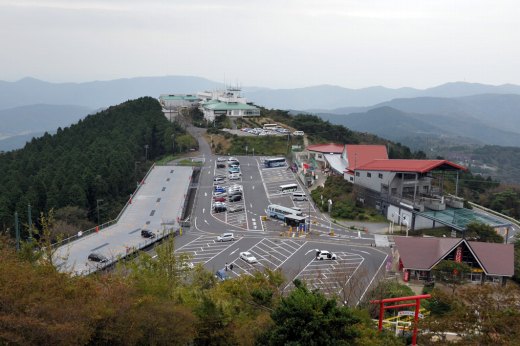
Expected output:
(357, 174)
(380, 175)
(369, 175)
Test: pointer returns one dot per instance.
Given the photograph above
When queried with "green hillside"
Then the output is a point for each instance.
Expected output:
(100, 157)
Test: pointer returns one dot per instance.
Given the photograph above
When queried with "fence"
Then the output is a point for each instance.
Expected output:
(130, 252)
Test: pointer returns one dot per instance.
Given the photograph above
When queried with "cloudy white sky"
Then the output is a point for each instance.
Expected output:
(271, 43)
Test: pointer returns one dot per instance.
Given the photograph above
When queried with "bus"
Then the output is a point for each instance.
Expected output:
(288, 188)
(294, 220)
(271, 126)
(276, 162)
(279, 212)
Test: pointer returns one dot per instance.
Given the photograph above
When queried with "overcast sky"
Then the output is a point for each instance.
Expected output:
(271, 43)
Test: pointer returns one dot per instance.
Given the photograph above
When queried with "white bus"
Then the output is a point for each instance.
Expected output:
(279, 212)
(276, 162)
(271, 126)
(288, 188)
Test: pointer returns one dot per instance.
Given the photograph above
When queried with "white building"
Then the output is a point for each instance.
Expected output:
(228, 102)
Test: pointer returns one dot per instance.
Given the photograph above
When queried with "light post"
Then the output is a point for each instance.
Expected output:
(146, 152)
(330, 217)
(97, 208)
(135, 171)
(173, 144)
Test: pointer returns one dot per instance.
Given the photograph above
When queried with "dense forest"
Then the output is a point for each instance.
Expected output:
(96, 162)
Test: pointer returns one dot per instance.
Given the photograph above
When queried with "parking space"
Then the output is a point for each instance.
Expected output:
(204, 248)
(270, 253)
(224, 207)
(331, 276)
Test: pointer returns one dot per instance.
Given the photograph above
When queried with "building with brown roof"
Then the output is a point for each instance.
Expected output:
(418, 256)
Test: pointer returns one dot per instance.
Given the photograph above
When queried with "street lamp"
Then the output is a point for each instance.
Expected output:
(97, 208)
(135, 170)
(330, 217)
(146, 152)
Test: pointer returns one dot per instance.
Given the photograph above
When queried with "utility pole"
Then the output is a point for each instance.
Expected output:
(173, 144)
(17, 231)
(135, 170)
(97, 207)
(29, 220)
(145, 152)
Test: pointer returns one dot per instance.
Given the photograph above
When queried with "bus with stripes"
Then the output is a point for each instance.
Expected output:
(275, 162)
(279, 212)
(288, 188)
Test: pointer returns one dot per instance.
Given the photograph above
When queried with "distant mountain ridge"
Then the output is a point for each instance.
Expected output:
(96, 94)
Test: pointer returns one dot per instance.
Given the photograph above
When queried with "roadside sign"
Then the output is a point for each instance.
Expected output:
(408, 313)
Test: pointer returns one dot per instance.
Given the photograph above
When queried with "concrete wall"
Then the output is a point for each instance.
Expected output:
(398, 215)
(375, 179)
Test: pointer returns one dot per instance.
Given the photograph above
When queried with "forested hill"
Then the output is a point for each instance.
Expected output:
(100, 157)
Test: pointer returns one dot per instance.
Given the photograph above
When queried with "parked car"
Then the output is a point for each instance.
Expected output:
(298, 133)
(219, 208)
(234, 170)
(219, 198)
(248, 257)
(235, 198)
(97, 257)
(221, 159)
(219, 189)
(234, 187)
(234, 176)
(219, 180)
(146, 233)
(234, 164)
(235, 209)
(231, 159)
(324, 254)
(221, 165)
(226, 237)
(235, 193)
(221, 275)
(220, 194)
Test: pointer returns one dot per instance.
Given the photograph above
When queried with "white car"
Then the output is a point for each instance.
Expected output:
(234, 176)
(221, 159)
(298, 133)
(226, 237)
(248, 257)
(324, 254)
(231, 159)
(234, 187)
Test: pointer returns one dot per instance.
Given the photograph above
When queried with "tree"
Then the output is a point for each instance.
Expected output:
(482, 232)
(451, 273)
(309, 318)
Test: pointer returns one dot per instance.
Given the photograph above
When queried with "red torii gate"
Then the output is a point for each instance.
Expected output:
(417, 305)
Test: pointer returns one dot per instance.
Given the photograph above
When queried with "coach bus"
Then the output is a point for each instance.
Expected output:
(279, 212)
(271, 126)
(288, 188)
(276, 162)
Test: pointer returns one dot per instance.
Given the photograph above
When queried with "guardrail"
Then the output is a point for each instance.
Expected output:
(130, 251)
(83, 234)
(508, 218)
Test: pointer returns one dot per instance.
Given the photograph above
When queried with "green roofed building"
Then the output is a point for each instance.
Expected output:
(228, 103)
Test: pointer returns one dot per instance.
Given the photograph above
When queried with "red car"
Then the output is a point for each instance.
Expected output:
(219, 199)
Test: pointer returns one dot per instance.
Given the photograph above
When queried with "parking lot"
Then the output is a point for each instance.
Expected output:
(204, 248)
(234, 212)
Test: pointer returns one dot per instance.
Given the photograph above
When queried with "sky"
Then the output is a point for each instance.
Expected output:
(267, 43)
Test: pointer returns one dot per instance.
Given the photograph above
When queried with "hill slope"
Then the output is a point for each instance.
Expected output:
(93, 159)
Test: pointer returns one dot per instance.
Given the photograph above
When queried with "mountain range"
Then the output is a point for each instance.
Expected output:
(474, 113)
(481, 119)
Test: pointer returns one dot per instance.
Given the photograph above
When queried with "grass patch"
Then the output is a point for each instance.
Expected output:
(262, 145)
(166, 159)
(189, 162)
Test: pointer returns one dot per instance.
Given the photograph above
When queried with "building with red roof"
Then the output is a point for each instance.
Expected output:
(418, 256)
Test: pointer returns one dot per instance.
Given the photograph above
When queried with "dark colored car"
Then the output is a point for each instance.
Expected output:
(220, 208)
(145, 233)
(221, 165)
(97, 257)
(236, 209)
(235, 198)
(221, 275)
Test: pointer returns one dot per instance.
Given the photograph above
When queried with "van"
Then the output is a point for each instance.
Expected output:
(299, 196)
(298, 133)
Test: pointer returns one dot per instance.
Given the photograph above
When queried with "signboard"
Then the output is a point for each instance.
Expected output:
(408, 313)
(458, 254)
(406, 276)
